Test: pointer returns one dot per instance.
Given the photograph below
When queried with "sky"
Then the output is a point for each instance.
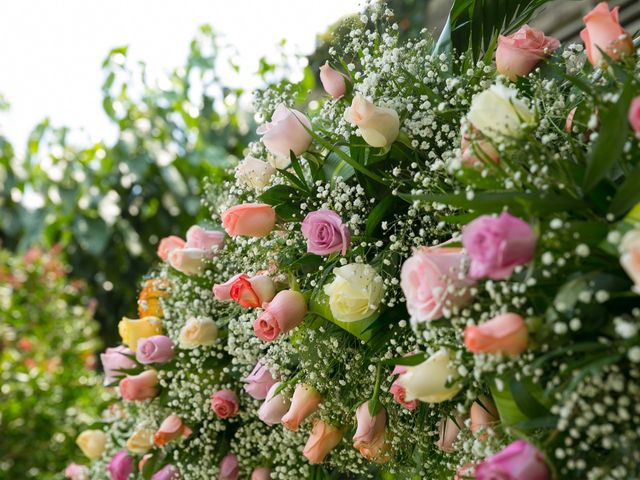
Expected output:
(51, 51)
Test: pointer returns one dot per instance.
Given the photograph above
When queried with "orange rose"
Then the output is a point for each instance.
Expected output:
(603, 32)
(505, 333)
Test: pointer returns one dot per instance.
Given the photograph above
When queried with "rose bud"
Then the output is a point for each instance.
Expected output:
(143, 386)
(603, 33)
(229, 468)
(369, 438)
(324, 438)
(448, 430)
(520, 52)
(333, 82)
(114, 359)
(261, 473)
(325, 232)
(169, 244)
(258, 382)
(155, 349)
(497, 245)
(430, 280)
(254, 173)
(378, 126)
(76, 472)
(132, 330)
(141, 441)
(198, 332)
(207, 240)
(92, 443)
(287, 131)
(170, 429)
(274, 407)
(634, 115)
(305, 401)
(168, 472)
(284, 313)
(519, 460)
(428, 380)
(249, 219)
(483, 414)
(225, 404)
(120, 466)
(189, 261)
(506, 334)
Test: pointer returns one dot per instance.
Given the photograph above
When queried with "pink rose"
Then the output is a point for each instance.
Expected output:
(470, 145)
(143, 386)
(198, 237)
(225, 403)
(448, 430)
(497, 245)
(249, 219)
(333, 82)
(170, 429)
(229, 468)
(248, 292)
(76, 472)
(258, 382)
(325, 232)
(274, 407)
(521, 51)
(168, 472)
(305, 401)
(634, 115)
(285, 312)
(286, 132)
(168, 244)
(261, 473)
(324, 438)
(154, 349)
(519, 460)
(120, 466)
(399, 394)
(114, 359)
(430, 280)
(603, 32)
(506, 334)
(369, 438)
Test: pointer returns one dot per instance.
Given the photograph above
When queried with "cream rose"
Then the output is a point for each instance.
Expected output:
(198, 332)
(141, 441)
(355, 292)
(254, 173)
(498, 112)
(378, 126)
(428, 380)
(92, 443)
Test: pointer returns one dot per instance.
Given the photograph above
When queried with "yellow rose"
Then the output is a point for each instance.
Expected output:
(427, 381)
(355, 293)
(141, 441)
(198, 332)
(132, 330)
(92, 443)
(378, 126)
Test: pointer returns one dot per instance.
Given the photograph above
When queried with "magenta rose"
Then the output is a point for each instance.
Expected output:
(325, 232)
(154, 349)
(634, 115)
(168, 472)
(113, 360)
(258, 382)
(518, 461)
(497, 245)
(120, 466)
(225, 403)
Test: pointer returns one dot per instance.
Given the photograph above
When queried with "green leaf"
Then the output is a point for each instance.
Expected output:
(508, 410)
(279, 194)
(409, 360)
(524, 399)
(628, 193)
(378, 213)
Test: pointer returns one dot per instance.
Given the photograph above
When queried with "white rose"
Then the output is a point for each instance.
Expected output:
(498, 112)
(198, 332)
(355, 293)
(287, 131)
(378, 126)
(188, 260)
(630, 258)
(92, 443)
(141, 441)
(254, 173)
(427, 381)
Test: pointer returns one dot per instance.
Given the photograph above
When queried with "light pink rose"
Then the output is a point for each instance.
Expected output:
(258, 382)
(286, 132)
(448, 431)
(170, 429)
(249, 220)
(143, 386)
(198, 237)
(274, 406)
(603, 32)
(507, 334)
(261, 473)
(225, 403)
(284, 313)
(305, 401)
(167, 245)
(154, 349)
(333, 82)
(430, 280)
(114, 359)
(520, 52)
(76, 472)
(369, 438)
(518, 461)
(634, 115)
(324, 438)
(229, 467)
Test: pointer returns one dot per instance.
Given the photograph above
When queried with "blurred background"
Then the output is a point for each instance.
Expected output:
(112, 114)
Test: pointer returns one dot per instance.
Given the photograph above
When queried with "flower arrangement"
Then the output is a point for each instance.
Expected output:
(433, 274)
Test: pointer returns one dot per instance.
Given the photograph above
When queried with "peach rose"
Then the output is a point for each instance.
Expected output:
(520, 52)
(379, 126)
(249, 219)
(369, 438)
(324, 438)
(198, 332)
(170, 429)
(286, 132)
(448, 430)
(603, 32)
(140, 441)
(483, 414)
(305, 401)
(507, 334)
(168, 244)
(472, 146)
(143, 386)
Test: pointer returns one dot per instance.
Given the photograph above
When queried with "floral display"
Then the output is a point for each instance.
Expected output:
(431, 273)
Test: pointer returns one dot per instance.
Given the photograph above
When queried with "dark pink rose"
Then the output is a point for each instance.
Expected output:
(518, 461)
(634, 115)
(225, 403)
(120, 466)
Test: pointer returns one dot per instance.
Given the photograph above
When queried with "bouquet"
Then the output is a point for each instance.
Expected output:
(431, 273)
